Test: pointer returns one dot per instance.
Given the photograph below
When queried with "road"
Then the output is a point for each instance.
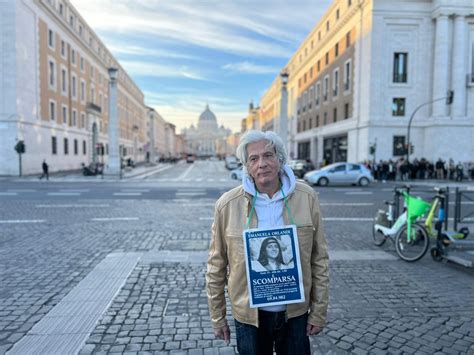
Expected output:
(115, 267)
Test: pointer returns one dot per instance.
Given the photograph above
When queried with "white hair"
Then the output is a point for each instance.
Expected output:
(253, 136)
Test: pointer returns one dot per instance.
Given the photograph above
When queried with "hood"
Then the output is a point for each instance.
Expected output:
(287, 178)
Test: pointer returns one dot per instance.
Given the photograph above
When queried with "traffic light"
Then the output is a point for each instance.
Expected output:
(20, 147)
(372, 149)
(450, 97)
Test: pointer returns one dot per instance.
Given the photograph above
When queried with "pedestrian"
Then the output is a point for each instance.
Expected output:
(269, 197)
(45, 168)
(459, 172)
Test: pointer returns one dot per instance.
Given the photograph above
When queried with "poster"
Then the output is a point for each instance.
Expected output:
(273, 266)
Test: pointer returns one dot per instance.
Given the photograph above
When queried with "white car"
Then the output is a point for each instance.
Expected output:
(340, 174)
(236, 174)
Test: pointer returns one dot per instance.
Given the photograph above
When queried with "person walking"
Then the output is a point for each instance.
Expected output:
(45, 168)
(269, 197)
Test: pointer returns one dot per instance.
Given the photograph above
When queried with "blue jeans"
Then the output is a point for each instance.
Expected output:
(274, 331)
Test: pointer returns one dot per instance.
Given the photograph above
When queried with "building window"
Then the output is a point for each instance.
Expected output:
(63, 81)
(75, 147)
(304, 125)
(83, 91)
(325, 88)
(325, 118)
(347, 75)
(82, 64)
(74, 86)
(398, 106)
(299, 127)
(349, 3)
(66, 146)
(327, 26)
(63, 49)
(74, 118)
(80, 30)
(327, 58)
(334, 114)
(92, 72)
(64, 114)
(317, 120)
(400, 61)
(61, 9)
(84, 148)
(336, 50)
(319, 65)
(54, 145)
(83, 120)
(335, 83)
(337, 14)
(52, 75)
(310, 125)
(71, 20)
(348, 39)
(399, 146)
(51, 39)
(318, 93)
(52, 110)
(346, 111)
(73, 56)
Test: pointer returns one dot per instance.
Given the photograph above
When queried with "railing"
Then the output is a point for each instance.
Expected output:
(463, 213)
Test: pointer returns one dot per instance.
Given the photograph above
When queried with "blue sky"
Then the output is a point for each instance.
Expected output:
(186, 53)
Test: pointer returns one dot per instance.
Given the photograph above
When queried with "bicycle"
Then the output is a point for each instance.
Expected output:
(411, 238)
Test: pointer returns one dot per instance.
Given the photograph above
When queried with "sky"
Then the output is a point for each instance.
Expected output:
(184, 54)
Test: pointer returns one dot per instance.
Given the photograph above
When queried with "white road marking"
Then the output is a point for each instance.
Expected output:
(359, 193)
(64, 193)
(8, 194)
(127, 193)
(198, 204)
(185, 174)
(75, 190)
(73, 206)
(23, 221)
(21, 190)
(134, 190)
(190, 193)
(105, 219)
(206, 218)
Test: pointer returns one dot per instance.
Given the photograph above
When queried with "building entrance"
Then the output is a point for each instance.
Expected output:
(335, 149)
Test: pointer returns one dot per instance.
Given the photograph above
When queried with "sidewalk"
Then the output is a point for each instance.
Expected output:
(140, 171)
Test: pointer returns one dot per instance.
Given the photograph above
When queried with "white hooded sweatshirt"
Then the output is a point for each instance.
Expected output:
(269, 211)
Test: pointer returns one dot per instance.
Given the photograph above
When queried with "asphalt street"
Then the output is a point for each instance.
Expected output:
(118, 267)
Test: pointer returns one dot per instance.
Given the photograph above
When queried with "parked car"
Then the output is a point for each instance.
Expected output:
(300, 167)
(236, 174)
(190, 158)
(231, 163)
(340, 174)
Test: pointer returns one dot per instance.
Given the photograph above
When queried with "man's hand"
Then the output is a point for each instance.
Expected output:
(223, 333)
(312, 329)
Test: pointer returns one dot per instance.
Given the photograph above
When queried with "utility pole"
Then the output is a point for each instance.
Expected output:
(449, 100)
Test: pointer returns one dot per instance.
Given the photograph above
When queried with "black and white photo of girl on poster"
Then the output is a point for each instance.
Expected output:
(273, 267)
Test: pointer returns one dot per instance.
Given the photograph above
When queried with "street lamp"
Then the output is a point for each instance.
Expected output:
(449, 100)
(284, 108)
(113, 164)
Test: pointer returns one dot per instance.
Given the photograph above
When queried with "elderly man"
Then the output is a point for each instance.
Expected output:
(269, 197)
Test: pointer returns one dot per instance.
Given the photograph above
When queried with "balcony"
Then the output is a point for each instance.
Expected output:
(93, 108)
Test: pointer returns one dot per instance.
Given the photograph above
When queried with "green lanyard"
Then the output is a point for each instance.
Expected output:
(253, 208)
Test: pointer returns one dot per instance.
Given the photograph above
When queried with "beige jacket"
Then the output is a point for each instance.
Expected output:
(226, 262)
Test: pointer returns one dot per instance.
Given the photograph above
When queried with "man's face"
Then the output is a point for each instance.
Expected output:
(262, 164)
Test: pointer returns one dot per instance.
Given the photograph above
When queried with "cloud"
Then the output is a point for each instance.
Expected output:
(147, 69)
(134, 50)
(250, 68)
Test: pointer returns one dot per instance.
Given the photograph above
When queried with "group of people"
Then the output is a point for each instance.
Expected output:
(421, 169)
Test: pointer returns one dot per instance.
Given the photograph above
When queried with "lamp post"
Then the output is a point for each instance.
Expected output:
(284, 108)
(449, 100)
(113, 165)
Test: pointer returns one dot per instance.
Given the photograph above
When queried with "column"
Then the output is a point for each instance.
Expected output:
(441, 62)
(458, 76)
(113, 164)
